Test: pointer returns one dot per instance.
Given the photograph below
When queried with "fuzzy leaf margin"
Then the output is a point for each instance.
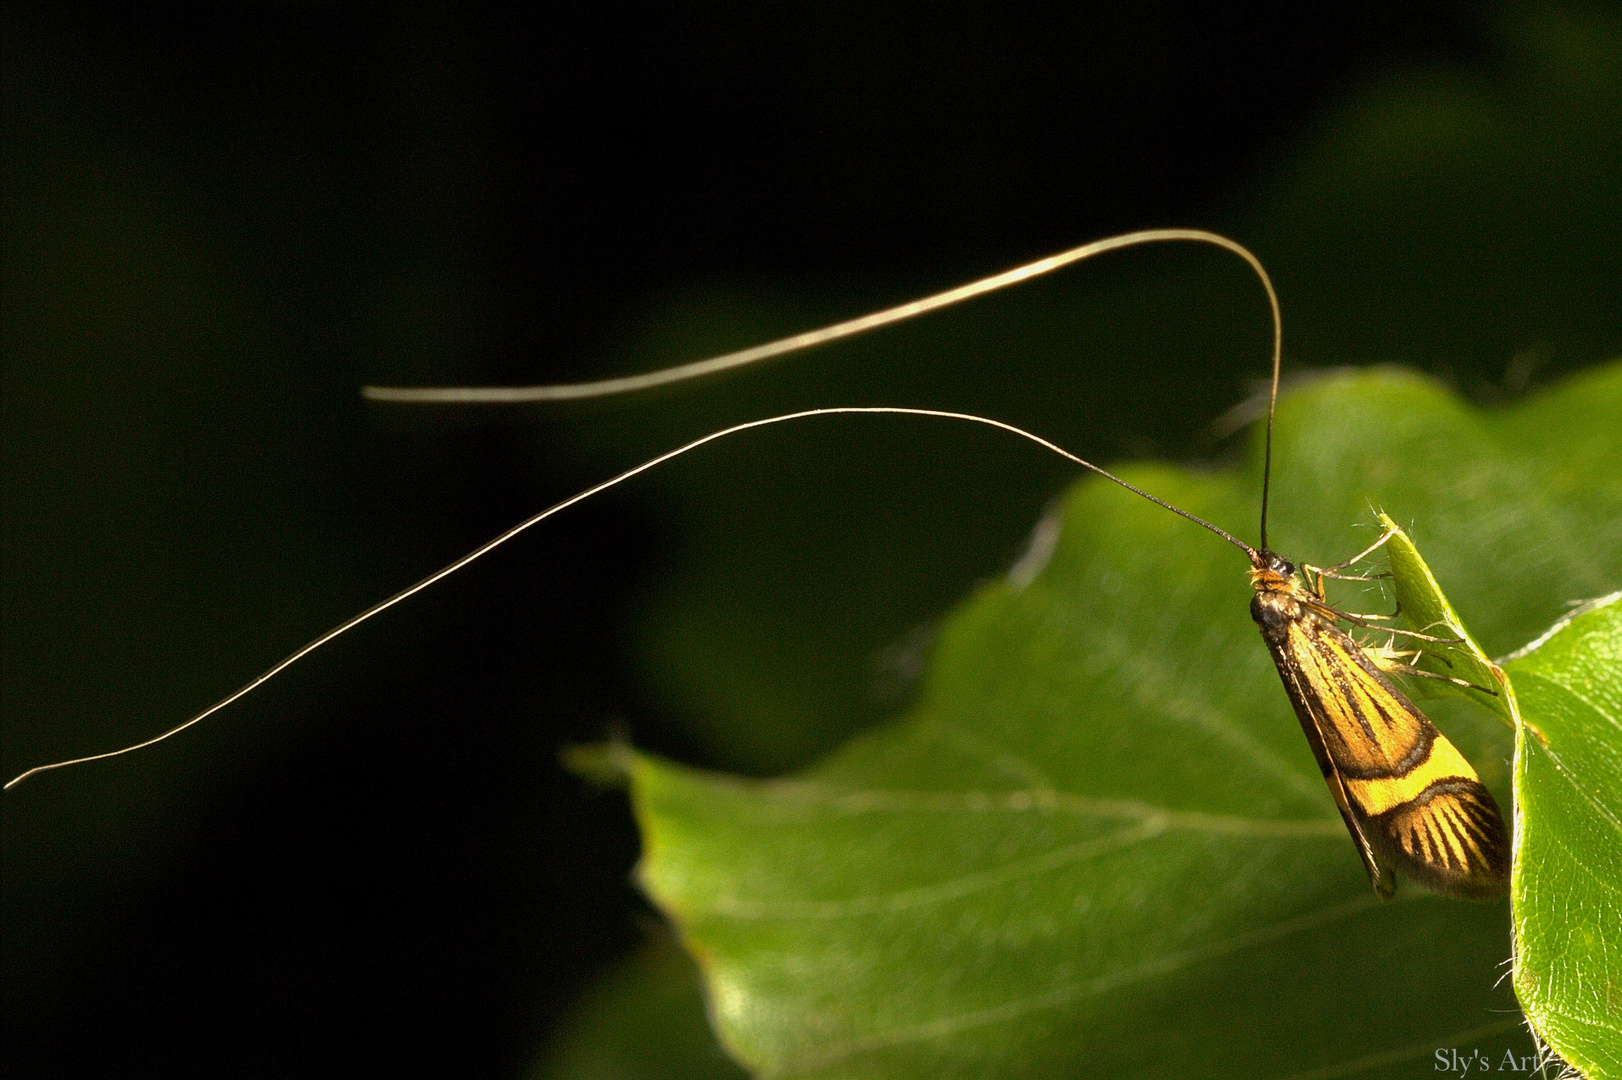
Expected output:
(1567, 881)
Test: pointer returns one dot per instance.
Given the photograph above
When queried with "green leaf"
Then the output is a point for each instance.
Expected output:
(1099, 843)
(1569, 861)
(1457, 218)
(1567, 883)
(1426, 609)
(642, 1019)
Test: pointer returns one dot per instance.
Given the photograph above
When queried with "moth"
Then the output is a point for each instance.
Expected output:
(1411, 802)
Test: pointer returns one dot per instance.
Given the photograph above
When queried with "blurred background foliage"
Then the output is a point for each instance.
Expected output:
(217, 226)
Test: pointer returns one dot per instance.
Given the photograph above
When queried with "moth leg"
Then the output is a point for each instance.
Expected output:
(1332, 571)
(1415, 634)
(1396, 668)
(1365, 615)
(1323, 572)
(1388, 657)
(1358, 619)
(1389, 651)
(1392, 662)
(1316, 577)
(1363, 621)
(1317, 574)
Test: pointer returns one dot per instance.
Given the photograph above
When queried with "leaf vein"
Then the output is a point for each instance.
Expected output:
(947, 1026)
(866, 801)
(940, 892)
(1154, 687)
(1600, 809)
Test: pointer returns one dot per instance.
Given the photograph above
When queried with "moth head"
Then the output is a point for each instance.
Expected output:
(1266, 562)
(1273, 578)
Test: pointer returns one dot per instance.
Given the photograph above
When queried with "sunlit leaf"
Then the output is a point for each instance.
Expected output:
(1099, 842)
(1426, 609)
(1567, 882)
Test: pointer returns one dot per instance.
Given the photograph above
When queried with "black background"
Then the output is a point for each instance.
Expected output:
(219, 223)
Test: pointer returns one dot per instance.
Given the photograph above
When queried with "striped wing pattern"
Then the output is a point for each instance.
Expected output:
(1411, 801)
(1418, 802)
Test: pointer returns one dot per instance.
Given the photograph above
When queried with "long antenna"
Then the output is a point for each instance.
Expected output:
(629, 383)
(1272, 404)
(577, 391)
(451, 568)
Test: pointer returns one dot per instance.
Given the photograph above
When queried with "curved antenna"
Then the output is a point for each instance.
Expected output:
(1272, 405)
(629, 383)
(578, 391)
(446, 571)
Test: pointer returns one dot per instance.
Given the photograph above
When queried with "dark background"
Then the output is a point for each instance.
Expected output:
(219, 225)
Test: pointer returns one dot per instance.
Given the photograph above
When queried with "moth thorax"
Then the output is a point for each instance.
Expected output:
(1274, 606)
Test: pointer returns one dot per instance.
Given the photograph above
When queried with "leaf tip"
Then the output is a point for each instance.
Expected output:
(606, 764)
